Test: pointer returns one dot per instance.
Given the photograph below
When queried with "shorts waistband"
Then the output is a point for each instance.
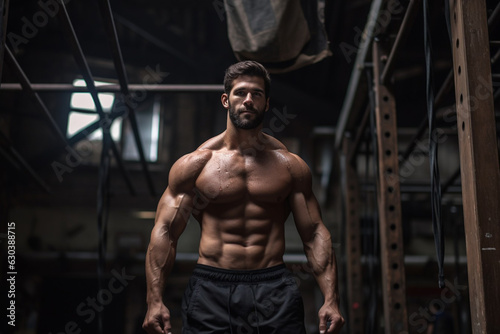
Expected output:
(247, 276)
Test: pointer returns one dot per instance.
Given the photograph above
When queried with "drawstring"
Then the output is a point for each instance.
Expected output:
(255, 309)
(231, 290)
(229, 308)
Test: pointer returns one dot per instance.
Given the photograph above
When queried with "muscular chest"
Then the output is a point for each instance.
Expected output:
(232, 177)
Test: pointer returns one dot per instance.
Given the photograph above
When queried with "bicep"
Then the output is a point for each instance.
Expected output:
(176, 204)
(303, 203)
(172, 214)
(306, 213)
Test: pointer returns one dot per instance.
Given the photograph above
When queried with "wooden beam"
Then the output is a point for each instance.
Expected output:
(354, 267)
(480, 171)
(389, 202)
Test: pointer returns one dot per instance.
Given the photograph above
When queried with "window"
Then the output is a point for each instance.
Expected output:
(83, 112)
(148, 122)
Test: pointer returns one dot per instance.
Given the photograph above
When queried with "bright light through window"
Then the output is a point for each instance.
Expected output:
(155, 126)
(148, 122)
(83, 101)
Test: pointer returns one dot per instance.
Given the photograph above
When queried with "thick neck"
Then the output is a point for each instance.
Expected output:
(236, 138)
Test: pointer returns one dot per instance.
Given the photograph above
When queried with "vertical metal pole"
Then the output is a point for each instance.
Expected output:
(353, 243)
(389, 203)
(480, 171)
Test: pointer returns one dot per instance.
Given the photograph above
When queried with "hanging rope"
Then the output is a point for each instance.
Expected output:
(437, 223)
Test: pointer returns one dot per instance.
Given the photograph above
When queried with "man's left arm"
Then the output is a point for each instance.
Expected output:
(317, 244)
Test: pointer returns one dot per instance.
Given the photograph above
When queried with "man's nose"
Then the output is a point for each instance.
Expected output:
(248, 99)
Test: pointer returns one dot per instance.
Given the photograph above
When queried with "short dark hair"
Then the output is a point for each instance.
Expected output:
(246, 67)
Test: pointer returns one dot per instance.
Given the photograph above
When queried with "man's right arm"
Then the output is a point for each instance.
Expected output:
(173, 212)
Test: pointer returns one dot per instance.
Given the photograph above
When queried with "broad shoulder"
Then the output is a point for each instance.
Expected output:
(189, 166)
(185, 171)
(299, 170)
(297, 166)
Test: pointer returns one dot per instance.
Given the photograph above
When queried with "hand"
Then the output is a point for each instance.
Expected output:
(330, 314)
(157, 320)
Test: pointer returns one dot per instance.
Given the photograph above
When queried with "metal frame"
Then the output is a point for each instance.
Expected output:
(404, 30)
(354, 267)
(70, 35)
(480, 172)
(26, 85)
(105, 8)
(443, 91)
(389, 202)
(356, 91)
(47, 87)
(123, 87)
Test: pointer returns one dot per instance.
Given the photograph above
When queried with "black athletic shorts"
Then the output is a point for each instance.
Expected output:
(264, 301)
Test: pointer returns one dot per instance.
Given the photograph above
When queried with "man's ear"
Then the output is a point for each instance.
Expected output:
(267, 104)
(225, 100)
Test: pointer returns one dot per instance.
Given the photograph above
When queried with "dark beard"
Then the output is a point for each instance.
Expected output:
(246, 124)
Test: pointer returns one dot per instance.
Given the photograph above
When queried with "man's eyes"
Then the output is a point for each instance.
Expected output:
(243, 93)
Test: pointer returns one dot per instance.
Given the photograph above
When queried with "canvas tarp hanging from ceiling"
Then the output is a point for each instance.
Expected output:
(281, 34)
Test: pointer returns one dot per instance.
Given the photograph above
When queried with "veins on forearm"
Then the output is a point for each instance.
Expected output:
(319, 253)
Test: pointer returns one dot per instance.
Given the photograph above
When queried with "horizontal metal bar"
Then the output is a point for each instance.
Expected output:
(115, 88)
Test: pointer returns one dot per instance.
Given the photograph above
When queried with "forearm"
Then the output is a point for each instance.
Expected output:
(160, 258)
(321, 258)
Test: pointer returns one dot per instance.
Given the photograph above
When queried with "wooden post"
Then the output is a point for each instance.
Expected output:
(353, 242)
(478, 160)
(389, 203)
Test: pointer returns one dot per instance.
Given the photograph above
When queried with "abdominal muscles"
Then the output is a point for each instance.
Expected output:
(247, 236)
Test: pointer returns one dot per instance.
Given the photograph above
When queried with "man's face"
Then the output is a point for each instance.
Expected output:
(246, 102)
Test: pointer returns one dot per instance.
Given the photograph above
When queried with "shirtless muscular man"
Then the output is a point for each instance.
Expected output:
(248, 183)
